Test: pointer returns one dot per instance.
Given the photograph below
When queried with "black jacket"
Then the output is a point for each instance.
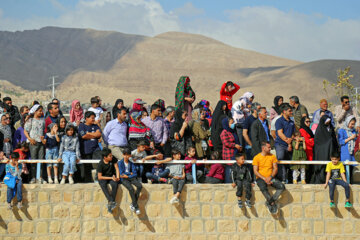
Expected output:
(258, 135)
(240, 173)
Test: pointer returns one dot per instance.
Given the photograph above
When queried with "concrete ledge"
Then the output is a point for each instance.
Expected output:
(205, 212)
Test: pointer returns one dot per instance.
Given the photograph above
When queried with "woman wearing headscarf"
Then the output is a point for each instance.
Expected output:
(231, 144)
(200, 133)
(184, 96)
(19, 135)
(221, 111)
(275, 110)
(138, 106)
(138, 131)
(119, 103)
(325, 143)
(76, 112)
(347, 138)
(308, 136)
(180, 133)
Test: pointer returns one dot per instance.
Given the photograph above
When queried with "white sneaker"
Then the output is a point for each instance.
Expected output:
(173, 200)
(33, 181)
(176, 200)
(56, 180)
(19, 205)
(62, 181)
(132, 208)
(137, 212)
(71, 180)
(50, 181)
(42, 181)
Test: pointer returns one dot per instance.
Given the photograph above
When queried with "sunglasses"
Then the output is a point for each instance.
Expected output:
(347, 102)
(307, 121)
(6, 118)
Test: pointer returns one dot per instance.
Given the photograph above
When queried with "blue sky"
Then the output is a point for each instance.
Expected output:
(304, 30)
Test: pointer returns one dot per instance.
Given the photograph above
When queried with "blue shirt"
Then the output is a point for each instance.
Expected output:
(266, 128)
(247, 124)
(115, 133)
(90, 145)
(288, 128)
(316, 116)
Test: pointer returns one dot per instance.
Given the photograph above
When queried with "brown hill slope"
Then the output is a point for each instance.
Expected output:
(152, 68)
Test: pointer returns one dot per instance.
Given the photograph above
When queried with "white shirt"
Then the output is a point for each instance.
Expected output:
(273, 128)
(97, 112)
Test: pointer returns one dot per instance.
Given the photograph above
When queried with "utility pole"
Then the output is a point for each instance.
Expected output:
(53, 85)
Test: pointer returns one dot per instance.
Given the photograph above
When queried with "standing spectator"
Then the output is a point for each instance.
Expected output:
(89, 134)
(115, 134)
(95, 108)
(53, 110)
(5, 129)
(246, 133)
(221, 111)
(108, 173)
(57, 101)
(51, 142)
(208, 109)
(180, 133)
(285, 129)
(128, 175)
(76, 113)
(184, 96)
(119, 104)
(323, 107)
(34, 130)
(138, 106)
(2, 165)
(265, 169)
(168, 120)
(325, 143)
(24, 110)
(200, 132)
(308, 135)
(259, 132)
(299, 110)
(157, 126)
(231, 145)
(347, 138)
(139, 132)
(343, 111)
(299, 154)
(275, 110)
(240, 111)
(160, 103)
(12, 110)
(69, 153)
(227, 91)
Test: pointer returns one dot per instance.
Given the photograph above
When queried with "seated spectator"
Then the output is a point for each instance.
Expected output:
(216, 172)
(158, 172)
(336, 176)
(13, 168)
(23, 149)
(128, 175)
(177, 175)
(200, 133)
(241, 178)
(265, 169)
(108, 173)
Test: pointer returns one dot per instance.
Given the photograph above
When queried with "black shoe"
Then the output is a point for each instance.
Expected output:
(269, 207)
(248, 203)
(274, 209)
(109, 207)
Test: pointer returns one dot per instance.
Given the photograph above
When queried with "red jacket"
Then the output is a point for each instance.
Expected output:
(309, 142)
(216, 171)
(188, 167)
(227, 96)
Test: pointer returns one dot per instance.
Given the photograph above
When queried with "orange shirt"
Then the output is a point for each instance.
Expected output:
(265, 164)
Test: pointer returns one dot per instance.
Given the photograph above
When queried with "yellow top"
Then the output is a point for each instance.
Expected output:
(265, 164)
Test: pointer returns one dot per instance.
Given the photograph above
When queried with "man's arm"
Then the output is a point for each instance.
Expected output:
(246, 136)
(283, 137)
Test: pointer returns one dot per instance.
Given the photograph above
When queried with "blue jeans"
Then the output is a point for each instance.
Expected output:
(227, 174)
(332, 185)
(18, 190)
(163, 174)
(52, 154)
(282, 153)
(69, 159)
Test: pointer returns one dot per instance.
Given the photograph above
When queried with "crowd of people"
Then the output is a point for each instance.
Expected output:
(124, 138)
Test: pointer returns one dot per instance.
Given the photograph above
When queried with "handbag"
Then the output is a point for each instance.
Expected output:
(10, 180)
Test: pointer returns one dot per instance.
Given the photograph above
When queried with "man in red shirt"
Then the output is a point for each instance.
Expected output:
(227, 91)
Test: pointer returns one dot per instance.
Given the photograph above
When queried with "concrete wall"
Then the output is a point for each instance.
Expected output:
(205, 212)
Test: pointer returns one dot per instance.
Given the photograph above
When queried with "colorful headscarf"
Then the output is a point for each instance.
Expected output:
(76, 114)
(350, 132)
(205, 104)
(183, 87)
(137, 107)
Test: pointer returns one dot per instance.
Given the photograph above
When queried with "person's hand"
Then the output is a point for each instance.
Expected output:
(289, 148)
(353, 136)
(32, 141)
(158, 162)
(238, 147)
(59, 160)
(162, 144)
(288, 140)
(152, 145)
(125, 176)
(143, 160)
(114, 178)
(77, 160)
(1, 155)
(325, 185)
(193, 161)
(185, 123)
(77, 122)
(268, 180)
(253, 184)
(17, 164)
(6, 140)
(176, 177)
(233, 185)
